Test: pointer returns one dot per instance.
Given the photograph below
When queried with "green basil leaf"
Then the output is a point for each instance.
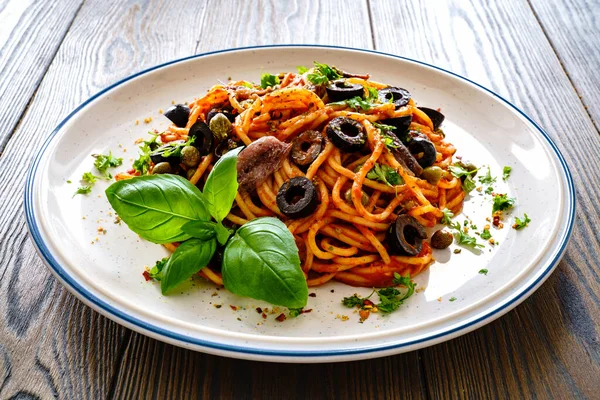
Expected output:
(223, 233)
(261, 261)
(221, 185)
(203, 230)
(189, 258)
(157, 206)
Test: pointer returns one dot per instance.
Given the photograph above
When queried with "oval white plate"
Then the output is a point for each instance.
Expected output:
(107, 274)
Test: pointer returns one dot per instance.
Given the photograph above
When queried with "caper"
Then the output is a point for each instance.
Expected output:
(441, 239)
(189, 173)
(190, 156)
(432, 174)
(162, 168)
(220, 126)
(364, 197)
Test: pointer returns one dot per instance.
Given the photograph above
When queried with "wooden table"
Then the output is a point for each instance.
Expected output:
(542, 55)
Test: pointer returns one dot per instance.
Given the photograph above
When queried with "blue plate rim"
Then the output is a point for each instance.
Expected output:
(109, 310)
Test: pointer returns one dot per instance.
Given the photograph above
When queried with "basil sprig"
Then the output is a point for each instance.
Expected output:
(157, 206)
(261, 259)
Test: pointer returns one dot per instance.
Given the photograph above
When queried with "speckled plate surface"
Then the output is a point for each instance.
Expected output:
(105, 270)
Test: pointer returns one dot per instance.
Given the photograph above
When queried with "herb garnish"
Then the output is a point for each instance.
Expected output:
(486, 235)
(521, 223)
(390, 298)
(260, 259)
(385, 174)
(358, 102)
(156, 271)
(460, 172)
(142, 164)
(487, 179)
(301, 69)
(89, 178)
(83, 190)
(322, 73)
(448, 215)
(502, 202)
(483, 271)
(268, 80)
(104, 162)
(463, 238)
(506, 172)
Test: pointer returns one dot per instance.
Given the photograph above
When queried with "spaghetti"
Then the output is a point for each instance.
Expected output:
(344, 237)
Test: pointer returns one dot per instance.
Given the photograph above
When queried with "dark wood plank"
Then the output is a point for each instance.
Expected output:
(50, 343)
(151, 369)
(573, 30)
(156, 370)
(548, 346)
(30, 34)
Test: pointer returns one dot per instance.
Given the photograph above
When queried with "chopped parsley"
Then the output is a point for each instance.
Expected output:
(322, 73)
(142, 164)
(460, 172)
(156, 271)
(448, 215)
(267, 80)
(89, 178)
(452, 299)
(301, 69)
(483, 271)
(521, 223)
(391, 142)
(489, 190)
(463, 239)
(358, 102)
(104, 162)
(390, 298)
(385, 174)
(487, 179)
(83, 190)
(486, 235)
(354, 301)
(384, 127)
(502, 202)
(506, 172)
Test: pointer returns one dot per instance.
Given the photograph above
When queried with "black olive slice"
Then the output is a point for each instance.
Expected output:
(341, 90)
(178, 114)
(401, 124)
(230, 116)
(347, 134)
(157, 156)
(435, 116)
(400, 97)
(406, 236)
(423, 151)
(203, 137)
(297, 198)
(306, 147)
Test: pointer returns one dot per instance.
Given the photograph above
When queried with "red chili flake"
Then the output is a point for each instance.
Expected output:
(312, 295)
(264, 316)
(306, 311)
(147, 276)
(367, 302)
(496, 220)
(234, 308)
(259, 310)
(280, 317)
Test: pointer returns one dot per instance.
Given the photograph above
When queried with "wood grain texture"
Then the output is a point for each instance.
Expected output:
(157, 370)
(548, 347)
(30, 34)
(50, 343)
(573, 28)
